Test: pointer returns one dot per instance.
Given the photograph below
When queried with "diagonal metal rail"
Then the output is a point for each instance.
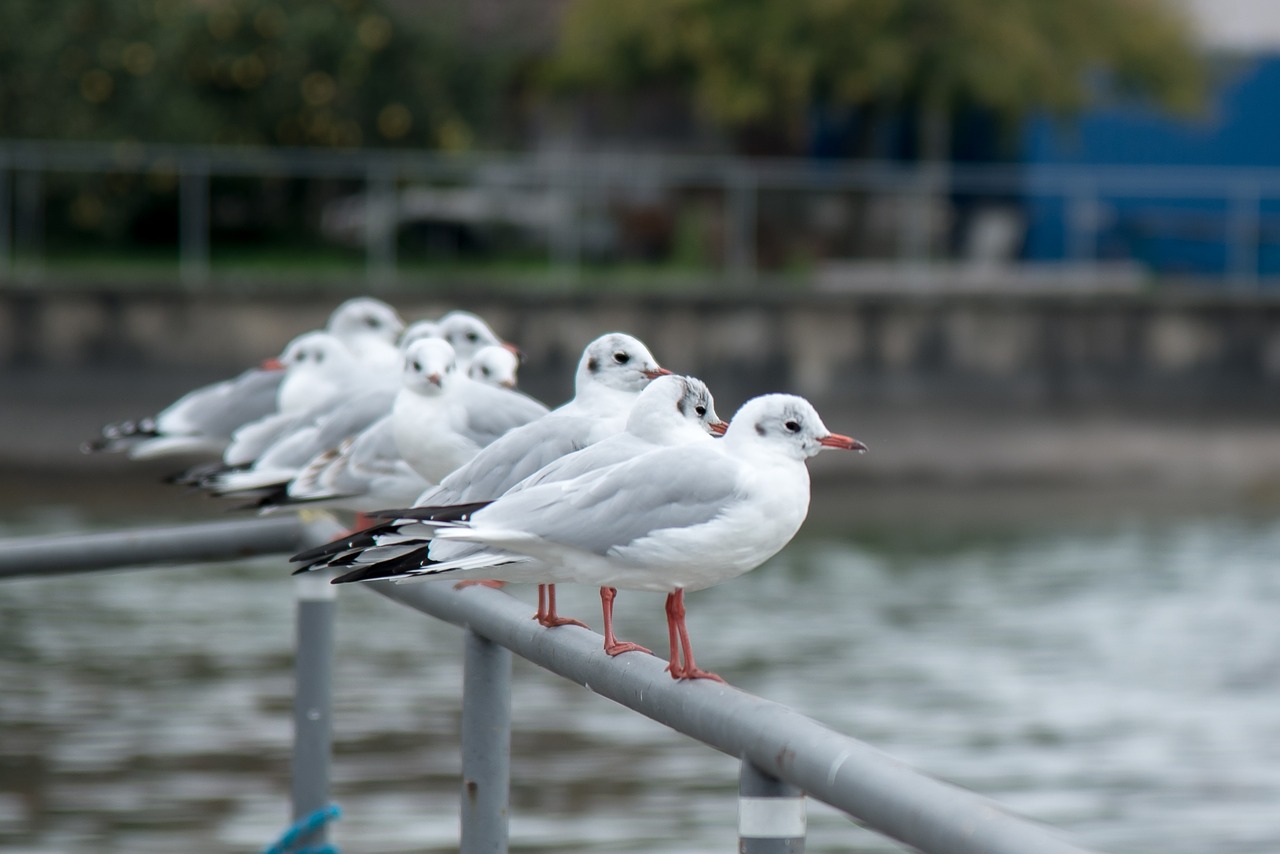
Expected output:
(871, 786)
(784, 754)
(237, 540)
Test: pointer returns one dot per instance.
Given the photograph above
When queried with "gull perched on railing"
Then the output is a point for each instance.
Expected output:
(672, 410)
(203, 421)
(670, 520)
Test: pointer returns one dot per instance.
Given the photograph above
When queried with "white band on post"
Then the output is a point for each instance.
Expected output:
(314, 586)
(771, 818)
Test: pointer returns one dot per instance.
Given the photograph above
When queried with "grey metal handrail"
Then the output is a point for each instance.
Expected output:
(784, 753)
(208, 541)
(876, 789)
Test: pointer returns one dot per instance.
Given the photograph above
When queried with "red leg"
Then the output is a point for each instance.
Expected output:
(547, 616)
(612, 645)
(679, 633)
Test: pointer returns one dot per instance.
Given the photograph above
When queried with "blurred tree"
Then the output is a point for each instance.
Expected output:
(331, 73)
(757, 67)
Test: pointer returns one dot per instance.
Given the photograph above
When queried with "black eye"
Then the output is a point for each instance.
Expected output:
(320, 357)
(701, 410)
(471, 336)
(484, 370)
(793, 426)
(621, 358)
(417, 366)
(372, 322)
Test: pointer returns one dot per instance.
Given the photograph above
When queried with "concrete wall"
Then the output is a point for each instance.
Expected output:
(962, 348)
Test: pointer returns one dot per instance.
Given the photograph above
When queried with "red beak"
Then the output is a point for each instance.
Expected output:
(515, 351)
(434, 379)
(656, 372)
(272, 364)
(844, 443)
(718, 427)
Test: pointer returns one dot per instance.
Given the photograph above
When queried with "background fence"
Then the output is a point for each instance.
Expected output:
(711, 219)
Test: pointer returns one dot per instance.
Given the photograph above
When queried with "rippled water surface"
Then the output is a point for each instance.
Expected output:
(1116, 675)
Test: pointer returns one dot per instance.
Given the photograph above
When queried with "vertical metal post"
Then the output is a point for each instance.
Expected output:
(381, 225)
(740, 242)
(1242, 236)
(771, 814)
(193, 220)
(29, 219)
(486, 745)
(312, 700)
(1081, 222)
(6, 217)
(566, 237)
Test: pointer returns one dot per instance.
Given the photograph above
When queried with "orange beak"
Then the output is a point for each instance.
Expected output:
(272, 364)
(656, 372)
(514, 350)
(718, 427)
(844, 443)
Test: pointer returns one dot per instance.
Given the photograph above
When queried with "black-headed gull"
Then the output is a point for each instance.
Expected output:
(203, 420)
(369, 328)
(437, 418)
(672, 410)
(441, 418)
(670, 520)
(612, 372)
(468, 334)
(495, 365)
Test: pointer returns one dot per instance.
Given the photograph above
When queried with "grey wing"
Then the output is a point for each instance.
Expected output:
(352, 418)
(217, 410)
(609, 452)
(664, 488)
(494, 412)
(511, 459)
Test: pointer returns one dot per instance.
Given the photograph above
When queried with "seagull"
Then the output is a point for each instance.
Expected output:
(612, 371)
(468, 334)
(369, 470)
(369, 328)
(495, 365)
(669, 520)
(672, 410)
(442, 418)
(203, 420)
(324, 397)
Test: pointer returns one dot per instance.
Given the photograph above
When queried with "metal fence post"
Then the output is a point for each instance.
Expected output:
(29, 219)
(771, 814)
(1242, 236)
(6, 215)
(381, 224)
(486, 745)
(313, 699)
(193, 214)
(740, 243)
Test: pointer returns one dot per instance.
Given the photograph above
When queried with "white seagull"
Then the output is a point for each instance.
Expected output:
(672, 410)
(203, 420)
(670, 520)
(613, 370)
(442, 420)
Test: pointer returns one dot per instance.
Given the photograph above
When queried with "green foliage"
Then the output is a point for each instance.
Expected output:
(755, 62)
(331, 73)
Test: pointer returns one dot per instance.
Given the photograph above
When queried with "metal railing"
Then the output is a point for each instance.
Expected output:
(785, 756)
(568, 195)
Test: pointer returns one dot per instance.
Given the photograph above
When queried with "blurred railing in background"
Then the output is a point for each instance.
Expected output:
(127, 212)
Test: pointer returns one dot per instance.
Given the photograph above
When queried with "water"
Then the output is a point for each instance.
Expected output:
(1113, 673)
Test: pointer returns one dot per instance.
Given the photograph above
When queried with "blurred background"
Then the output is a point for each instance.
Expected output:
(1028, 251)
